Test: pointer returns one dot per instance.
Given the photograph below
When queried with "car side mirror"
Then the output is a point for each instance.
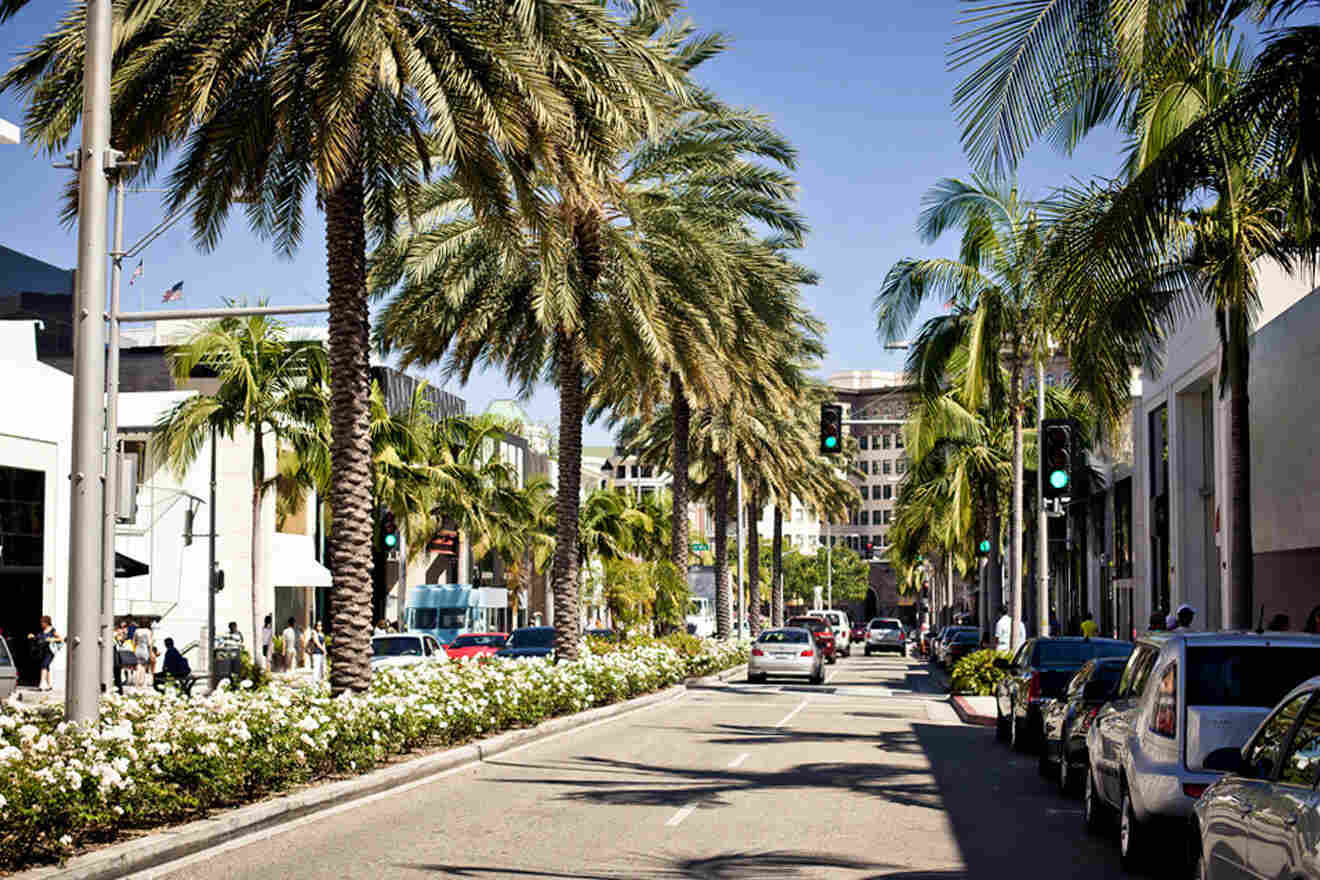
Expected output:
(1097, 690)
(1226, 760)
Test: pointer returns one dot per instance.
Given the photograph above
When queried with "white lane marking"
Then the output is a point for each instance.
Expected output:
(737, 762)
(789, 717)
(267, 833)
(682, 814)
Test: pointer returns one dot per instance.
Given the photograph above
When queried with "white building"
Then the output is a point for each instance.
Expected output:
(1181, 521)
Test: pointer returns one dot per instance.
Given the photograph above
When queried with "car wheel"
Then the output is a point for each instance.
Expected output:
(1094, 812)
(867, 650)
(1015, 733)
(1065, 772)
(1131, 836)
(1001, 726)
(755, 679)
(831, 659)
(1196, 854)
(818, 677)
(1043, 761)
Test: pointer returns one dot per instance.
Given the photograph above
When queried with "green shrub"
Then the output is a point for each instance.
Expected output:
(976, 674)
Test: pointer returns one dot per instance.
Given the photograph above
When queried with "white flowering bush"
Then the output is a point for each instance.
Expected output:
(156, 760)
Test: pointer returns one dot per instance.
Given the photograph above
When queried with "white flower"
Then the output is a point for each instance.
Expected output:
(66, 840)
(308, 724)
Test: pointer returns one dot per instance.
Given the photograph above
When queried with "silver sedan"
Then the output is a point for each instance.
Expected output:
(787, 651)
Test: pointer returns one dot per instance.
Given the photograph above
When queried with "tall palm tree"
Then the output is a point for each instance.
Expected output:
(268, 102)
(269, 386)
(997, 285)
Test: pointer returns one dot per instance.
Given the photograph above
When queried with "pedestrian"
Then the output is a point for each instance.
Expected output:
(290, 636)
(117, 647)
(316, 651)
(175, 665)
(1156, 621)
(1089, 627)
(1003, 636)
(47, 641)
(1279, 623)
(1182, 621)
(267, 639)
(382, 628)
(144, 648)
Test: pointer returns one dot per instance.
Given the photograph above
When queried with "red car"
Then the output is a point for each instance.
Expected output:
(820, 629)
(476, 645)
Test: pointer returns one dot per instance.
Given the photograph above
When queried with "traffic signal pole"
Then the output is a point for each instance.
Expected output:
(1042, 529)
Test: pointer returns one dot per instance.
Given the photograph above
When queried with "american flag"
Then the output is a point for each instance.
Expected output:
(173, 294)
(137, 273)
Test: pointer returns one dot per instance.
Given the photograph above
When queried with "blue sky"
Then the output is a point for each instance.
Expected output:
(861, 88)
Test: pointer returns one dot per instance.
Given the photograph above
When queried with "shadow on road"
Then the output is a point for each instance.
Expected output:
(779, 864)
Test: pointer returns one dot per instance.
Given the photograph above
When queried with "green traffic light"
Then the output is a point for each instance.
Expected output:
(985, 546)
(391, 540)
(831, 442)
(1058, 479)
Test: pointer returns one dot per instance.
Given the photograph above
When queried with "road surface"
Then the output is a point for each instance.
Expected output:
(868, 776)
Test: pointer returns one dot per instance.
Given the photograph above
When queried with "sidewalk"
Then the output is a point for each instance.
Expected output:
(975, 710)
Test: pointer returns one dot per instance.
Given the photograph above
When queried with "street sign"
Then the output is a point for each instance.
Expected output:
(700, 547)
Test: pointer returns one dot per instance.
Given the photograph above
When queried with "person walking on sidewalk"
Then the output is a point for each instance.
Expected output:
(267, 639)
(1089, 627)
(316, 651)
(47, 640)
(145, 651)
(290, 636)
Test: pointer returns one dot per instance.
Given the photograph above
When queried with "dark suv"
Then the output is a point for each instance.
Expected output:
(821, 631)
(1040, 671)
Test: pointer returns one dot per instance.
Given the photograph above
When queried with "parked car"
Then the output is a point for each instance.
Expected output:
(608, 635)
(946, 636)
(529, 641)
(791, 650)
(1067, 719)
(404, 649)
(1261, 818)
(838, 621)
(476, 644)
(1182, 698)
(858, 633)
(886, 634)
(8, 672)
(1040, 671)
(824, 635)
(961, 644)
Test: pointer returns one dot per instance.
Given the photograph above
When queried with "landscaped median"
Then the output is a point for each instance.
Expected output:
(158, 760)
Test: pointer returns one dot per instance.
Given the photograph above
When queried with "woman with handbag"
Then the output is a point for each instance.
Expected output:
(47, 641)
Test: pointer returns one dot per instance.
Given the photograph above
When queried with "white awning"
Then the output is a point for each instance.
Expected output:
(294, 564)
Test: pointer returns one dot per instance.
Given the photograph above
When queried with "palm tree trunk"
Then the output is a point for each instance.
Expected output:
(1241, 562)
(995, 576)
(777, 570)
(563, 575)
(722, 615)
(678, 545)
(258, 545)
(350, 446)
(753, 567)
(1015, 549)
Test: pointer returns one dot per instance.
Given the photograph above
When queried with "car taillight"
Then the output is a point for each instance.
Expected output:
(807, 653)
(902, 637)
(1033, 689)
(757, 652)
(1194, 789)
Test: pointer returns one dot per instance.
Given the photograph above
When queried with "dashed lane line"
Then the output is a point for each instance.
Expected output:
(737, 762)
(682, 814)
(791, 715)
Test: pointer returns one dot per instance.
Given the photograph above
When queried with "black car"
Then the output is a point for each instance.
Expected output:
(529, 641)
(959, 645)
(1040, 671)
(1066, 720)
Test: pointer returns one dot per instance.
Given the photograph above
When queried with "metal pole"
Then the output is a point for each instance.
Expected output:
(741, 611)
(210, 574)
(83, 678)
(829, 559)
(1042, 540)
(201, 314)
(399, 600)
(110, 501)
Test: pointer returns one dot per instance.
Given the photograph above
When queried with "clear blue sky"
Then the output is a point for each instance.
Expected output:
(859, 87)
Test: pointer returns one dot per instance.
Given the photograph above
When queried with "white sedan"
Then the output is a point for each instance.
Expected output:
(405, 649)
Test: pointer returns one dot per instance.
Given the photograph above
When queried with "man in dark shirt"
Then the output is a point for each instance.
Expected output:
(176, 665)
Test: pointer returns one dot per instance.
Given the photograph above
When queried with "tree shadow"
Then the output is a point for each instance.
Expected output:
(780, 864)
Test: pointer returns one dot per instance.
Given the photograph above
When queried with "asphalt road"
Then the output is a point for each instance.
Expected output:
(870, 775)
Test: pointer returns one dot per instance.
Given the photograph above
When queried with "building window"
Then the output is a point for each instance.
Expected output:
(898, 440)
(864, 518)
(866, 492)
(884, 439)
(797, 514)
(646, 472)
(886, 515)
(861, 441)
(889, 491)
(1123, 528)
(900, 466)
(887, 467)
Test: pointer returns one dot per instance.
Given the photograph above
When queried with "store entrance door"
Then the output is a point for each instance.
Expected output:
(22, 539)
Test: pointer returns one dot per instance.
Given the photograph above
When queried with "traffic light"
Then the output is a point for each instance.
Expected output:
(389, 531)
(1058, 454)
(217, 580)
(983, 548)
(831, 429)
(189, 519)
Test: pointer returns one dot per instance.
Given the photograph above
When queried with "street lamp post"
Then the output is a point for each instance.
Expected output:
(739, 605)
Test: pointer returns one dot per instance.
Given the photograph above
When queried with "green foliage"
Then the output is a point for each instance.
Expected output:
(976, 674)
(672, 596)
(802, 573)
(629, 592)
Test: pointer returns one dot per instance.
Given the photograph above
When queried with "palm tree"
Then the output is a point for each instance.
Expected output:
(609, 528)
(997, 285)
(267, 102)
(269, 386)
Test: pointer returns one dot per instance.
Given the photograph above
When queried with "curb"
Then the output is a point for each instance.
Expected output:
(716, 678)
(160, 847)
(966, 714)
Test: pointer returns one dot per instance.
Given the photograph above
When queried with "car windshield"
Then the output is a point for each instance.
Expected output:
(1108, 673)
(396, 646)
(436, 618)
(541, 637)
(782, 637)
(477, 641)
(1246, 675)
(884, 624)
(966, 638)
(1060, 653)
(811, 623)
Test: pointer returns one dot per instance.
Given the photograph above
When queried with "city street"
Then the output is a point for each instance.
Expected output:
(870, 775)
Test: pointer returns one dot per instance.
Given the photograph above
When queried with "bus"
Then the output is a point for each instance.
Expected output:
(445, 611)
